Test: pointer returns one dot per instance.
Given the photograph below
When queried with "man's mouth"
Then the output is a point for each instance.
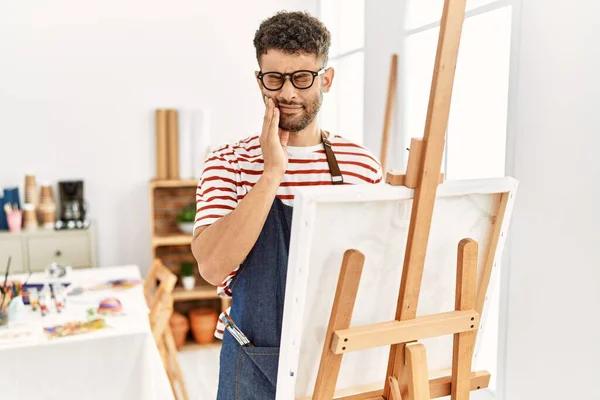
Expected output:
(287, 109)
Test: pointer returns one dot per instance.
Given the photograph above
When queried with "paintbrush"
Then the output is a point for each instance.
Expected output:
(4, 289)
(238, 332)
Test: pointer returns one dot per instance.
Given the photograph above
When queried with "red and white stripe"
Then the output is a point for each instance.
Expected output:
(232, 170)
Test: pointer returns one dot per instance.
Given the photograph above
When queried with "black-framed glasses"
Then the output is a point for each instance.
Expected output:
(302, 79)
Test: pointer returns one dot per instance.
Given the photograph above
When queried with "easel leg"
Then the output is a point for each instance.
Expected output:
(418, 378)
(464, 343)
(174, 364)
(341, 315)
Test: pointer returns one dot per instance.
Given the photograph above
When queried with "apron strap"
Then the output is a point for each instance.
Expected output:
(334, 168)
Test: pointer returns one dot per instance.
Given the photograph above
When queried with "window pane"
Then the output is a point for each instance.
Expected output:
(423, 12)
(346, 22)
(477, 124)
(420, 56)
(329, 115)
(342, 111)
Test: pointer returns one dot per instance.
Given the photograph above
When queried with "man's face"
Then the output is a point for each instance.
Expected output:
(297, 107)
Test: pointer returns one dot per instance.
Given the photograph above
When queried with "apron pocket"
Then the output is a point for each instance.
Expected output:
(257, 373)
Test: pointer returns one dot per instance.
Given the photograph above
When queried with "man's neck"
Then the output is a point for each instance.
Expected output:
(309, 136)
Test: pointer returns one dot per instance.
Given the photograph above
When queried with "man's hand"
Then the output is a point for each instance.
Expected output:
(273, 142)
(222, 246)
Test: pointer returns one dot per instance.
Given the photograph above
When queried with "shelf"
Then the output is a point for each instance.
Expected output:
(193, 346)
(172, 240)
(173, 183)
(199, 293)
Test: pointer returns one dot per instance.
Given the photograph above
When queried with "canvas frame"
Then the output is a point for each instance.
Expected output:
(306, 203)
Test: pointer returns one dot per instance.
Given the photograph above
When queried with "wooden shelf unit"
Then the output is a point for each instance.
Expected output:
(172, 240)
(172, 246)
(172, 183)
(198, 293)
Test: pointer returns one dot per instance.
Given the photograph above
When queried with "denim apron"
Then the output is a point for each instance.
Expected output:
(250, 373)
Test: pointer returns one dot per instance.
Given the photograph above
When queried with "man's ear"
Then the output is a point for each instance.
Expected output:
(328, 79)
(258, 82)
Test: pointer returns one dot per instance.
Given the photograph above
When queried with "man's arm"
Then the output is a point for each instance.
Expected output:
(219, 248)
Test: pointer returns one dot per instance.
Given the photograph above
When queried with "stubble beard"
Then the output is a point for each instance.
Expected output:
(297, 122)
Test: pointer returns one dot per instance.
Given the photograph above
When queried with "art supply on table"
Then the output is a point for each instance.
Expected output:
(236, 332)
(34, 298)
(17, 312)
(110, 306)
(45, 299)
(4, 299)
(56, 271)
(116, 284)
(59, 297)
(74, 328)
(4, 287)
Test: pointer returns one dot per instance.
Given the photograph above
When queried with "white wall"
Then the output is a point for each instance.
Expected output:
(553, 347)
(79, 82)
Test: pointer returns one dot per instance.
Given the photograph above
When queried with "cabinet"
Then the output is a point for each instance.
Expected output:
(11, 246)
(33, 251)
(172, 246)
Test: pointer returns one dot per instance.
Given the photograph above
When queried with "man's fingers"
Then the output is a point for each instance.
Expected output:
(268, 118)
(268, 111)
(274, 126)
(275, 120)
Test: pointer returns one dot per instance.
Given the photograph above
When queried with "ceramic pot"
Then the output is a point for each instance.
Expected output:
(189, 282)
(180, 327)
(186, 227)
(203, 322)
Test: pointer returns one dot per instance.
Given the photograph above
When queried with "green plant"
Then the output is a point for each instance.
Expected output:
(187, 269)
(187, 214)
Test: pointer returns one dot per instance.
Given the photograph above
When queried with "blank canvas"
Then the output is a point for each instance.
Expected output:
(375, 220)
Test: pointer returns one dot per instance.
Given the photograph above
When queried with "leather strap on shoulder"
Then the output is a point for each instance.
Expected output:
(334, 168)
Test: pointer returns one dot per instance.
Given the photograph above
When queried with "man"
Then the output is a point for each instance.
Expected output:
(245, 196)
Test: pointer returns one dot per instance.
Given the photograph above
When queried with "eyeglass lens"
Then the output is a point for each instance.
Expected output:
(274, 80)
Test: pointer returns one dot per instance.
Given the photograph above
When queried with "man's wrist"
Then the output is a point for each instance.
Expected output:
(271, 179)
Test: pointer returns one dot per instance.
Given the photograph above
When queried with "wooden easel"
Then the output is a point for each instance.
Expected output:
(164, 336)
(407, 374)
(389, 109)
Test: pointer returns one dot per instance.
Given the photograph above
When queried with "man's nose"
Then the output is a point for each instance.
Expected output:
(288, 91)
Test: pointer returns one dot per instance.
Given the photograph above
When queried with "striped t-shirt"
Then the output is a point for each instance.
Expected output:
(231, 171)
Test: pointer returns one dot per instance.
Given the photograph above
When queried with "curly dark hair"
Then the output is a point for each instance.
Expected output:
(293, 32)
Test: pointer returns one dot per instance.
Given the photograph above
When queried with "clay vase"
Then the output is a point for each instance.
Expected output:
(203, 322)
(180, 327)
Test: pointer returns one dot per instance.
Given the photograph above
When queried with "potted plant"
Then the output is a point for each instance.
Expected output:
(187, 276)
(186, 218)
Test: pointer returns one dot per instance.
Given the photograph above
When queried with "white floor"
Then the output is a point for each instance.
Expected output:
(200, 370)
